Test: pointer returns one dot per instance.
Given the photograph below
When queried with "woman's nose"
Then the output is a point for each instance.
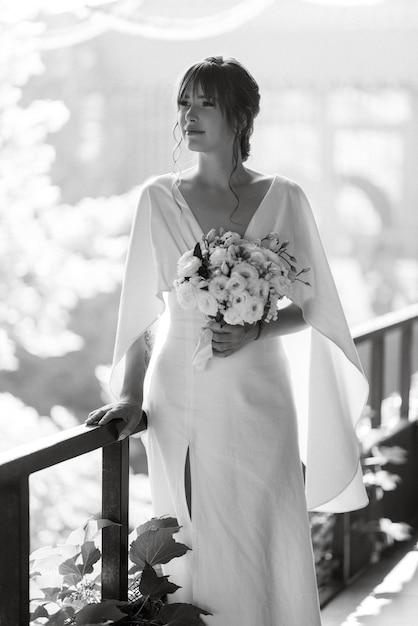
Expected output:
(191, 114)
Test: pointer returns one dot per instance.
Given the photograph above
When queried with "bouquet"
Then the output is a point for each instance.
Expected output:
(235, 281)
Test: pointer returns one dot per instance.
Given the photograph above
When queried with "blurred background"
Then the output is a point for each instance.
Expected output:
(87, 113)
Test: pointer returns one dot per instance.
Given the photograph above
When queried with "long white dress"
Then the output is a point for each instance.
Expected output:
(251, 559)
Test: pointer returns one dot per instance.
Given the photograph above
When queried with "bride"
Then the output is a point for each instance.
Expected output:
(225, 443)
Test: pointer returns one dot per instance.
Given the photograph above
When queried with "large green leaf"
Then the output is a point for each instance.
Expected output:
(90, 555)
(156, 547)
(71, 572)
(158, 522)
(51, 593)
(153, 586)
(104, 612)
(181, 615)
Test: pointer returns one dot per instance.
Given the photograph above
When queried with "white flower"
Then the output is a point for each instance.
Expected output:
(263, 288)
(230, 238)
(211, 235)
(239, 301)
(281, 284)
(232, 316)
(188, 264)
(206, 303)
(254, 309)
(258, 257)
(186, 295)
(217, 286)
(198, 281)
(237, 283)
(247, 271)
(272, 256)
(219, 256)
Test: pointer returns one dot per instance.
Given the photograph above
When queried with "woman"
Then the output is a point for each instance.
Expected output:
(222, 440)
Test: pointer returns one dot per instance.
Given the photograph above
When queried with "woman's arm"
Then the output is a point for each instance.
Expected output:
(129, 407)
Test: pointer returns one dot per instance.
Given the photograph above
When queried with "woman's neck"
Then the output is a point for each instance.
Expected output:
(215, 171)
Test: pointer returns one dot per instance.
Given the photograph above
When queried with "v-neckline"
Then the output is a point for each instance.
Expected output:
(194, 218)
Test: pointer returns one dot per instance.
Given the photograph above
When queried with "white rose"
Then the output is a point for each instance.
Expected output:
(254, 309)
(230, 238)
(186, 295)
(188, 264)
(239, 301)
(246, 270)
(217, 287)
(219, 256)
(206, 303)
(198, 281)
(233, 317)
(237, 283)
(258, 257)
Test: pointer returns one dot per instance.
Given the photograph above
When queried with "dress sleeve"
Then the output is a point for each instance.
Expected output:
(141, 302)
(337, 389)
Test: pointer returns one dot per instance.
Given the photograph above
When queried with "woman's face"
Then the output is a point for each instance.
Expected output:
(203, 125)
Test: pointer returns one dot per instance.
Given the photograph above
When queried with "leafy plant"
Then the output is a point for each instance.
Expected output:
(66, 580)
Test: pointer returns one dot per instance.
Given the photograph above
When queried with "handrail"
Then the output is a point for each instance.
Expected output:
(48, 451)
(385, 323)
(375, 333)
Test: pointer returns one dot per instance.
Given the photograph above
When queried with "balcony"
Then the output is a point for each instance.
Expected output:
(388, 348)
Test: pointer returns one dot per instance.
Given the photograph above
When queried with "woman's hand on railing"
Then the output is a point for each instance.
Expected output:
(128, 417)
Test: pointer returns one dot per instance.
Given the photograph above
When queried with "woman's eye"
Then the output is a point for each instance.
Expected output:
(208, 103)
(183, 103)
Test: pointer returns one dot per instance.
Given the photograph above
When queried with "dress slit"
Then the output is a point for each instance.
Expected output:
(188, 482)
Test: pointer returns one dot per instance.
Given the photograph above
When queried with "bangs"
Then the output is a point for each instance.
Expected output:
(212, 82)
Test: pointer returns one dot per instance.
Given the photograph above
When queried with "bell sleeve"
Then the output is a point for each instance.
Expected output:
(141, 300)
(337, 388)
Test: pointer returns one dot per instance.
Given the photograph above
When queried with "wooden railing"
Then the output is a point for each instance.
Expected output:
(15, 470)
(17, 466)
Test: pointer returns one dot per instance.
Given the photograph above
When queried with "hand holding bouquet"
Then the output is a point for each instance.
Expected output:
(235, 281)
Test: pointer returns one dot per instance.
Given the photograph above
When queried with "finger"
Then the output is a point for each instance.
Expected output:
(129, 428)
(112, 414)
(219, 346)
(221, 338)
(224, 354)
(95, 416)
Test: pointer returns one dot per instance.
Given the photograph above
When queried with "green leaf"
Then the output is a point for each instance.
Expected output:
(153, 586)
(90, 555)
(158, 522)
(99, 613)
(70, 570)
(180, 614)
(51, 593)
(40, 611)
(156, 547)
(197, 252)
(58, 619)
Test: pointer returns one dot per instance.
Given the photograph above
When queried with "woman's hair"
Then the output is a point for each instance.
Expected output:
(236, 92)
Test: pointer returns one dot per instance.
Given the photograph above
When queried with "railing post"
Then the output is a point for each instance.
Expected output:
(376, 382)
(115, 506)
(14, 542)
(405, 368)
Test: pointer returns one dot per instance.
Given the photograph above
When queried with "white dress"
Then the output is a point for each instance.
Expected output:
(251, 559)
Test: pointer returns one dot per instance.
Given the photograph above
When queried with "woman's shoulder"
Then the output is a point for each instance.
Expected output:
(159, 181)
(277, 181)
(285, 183)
